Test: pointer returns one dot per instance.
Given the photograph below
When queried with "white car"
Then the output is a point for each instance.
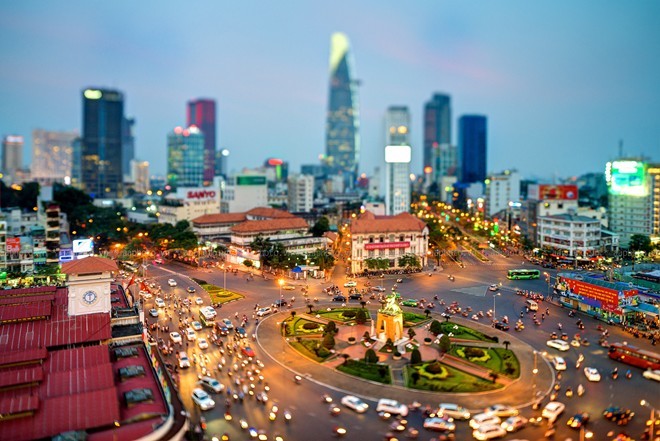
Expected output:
(202, 399)
(171, 282)
(153, 312)
(484, 419)
(184, 361)
(592, 374)
(552, 410)
(378, 288)
(145, 294)
(453, 411)
(202, 343)
(559, 363)
(197, 326)
(208, 310)
(560, 345)
(440, 424)
(489, 431)
(514, 423)
(350, 284)
(353, 402)
(159, 302)
(175, 337)
(493, 287)
(501, 410)
(652, 374)
(199, 301)
(212, 384)
(264, 311)
(392, 406)
(190, 334)
(228, 323)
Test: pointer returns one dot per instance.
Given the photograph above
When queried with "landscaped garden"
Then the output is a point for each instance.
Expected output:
(500, 360)
(438, 377)
(218, 294)
(413, 319)
(344, 315)
(369, 371)
(300, 326)
(461, 332)
(311, 347)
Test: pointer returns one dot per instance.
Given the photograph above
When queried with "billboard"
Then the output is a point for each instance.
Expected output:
(605, 296)
(13, 245)
(626, 178)
(542, 192)
(250, 180)
(398, 154)
(83, 246)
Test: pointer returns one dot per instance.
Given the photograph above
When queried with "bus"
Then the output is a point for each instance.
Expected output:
(516, 274)
(634, 356)
(207, 316)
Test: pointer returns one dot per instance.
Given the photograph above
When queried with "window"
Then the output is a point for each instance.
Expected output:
(137, 396)
(392, 239)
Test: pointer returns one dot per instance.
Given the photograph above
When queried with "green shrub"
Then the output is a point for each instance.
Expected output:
(396, 353)
(349, 314)
(331, 327)
(309, 326)
(473, 352)
(415, 356)
(436, 327)
(370, 356)
(434, 367)
(361, 317)
(322, 352)
(328, 340)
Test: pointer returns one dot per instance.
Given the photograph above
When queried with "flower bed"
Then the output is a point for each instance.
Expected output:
(454, 381)
(369, 371)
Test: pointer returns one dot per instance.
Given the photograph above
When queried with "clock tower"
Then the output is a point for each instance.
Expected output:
(88, 283)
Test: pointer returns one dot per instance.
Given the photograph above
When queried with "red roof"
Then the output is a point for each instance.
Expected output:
(89, 265)
(17, 312)
(219, 218)
(9, 357)
(269, 213)
(22, 375)
(12, 300)
(257, 226)
(21, 401)
(401, 223)
(20, 292)
(85, 379)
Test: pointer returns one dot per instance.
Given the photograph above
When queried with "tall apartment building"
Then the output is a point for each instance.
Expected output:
(127, 146)
(501, 190)
(201, 113)
(397, 160)
(472, 145)
(300, 193)
(52, 155)
(244, 192)
(185, 157)
(437, 129)
(140, 176)
(12, 157)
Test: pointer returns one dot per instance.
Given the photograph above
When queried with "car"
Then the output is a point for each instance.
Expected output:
(378, 288)
(410, 302)
(184, 361)
(199, 301)
(355, 296)
(501, 326)
(208, 310)
(228, 324)
(171, 282)
(160, 303)
(350, 284)
(197, 326)
(279, 303)
(186, 302)
(494, 287)
(514, 423)
(153, 312)
(652, 374)
(619, 415)
(392, 407)
(175, 337)
(202, 343)
(202, 399)
(289, 287)
(264, 311)
(190, 289)
(248, 352)
(501, 410)
(559, 363)
(222, 330)
(488, 431)
(560, 345)
(354, 403)
(241, 332)
(484, 419)
(440, 424)
(190, 334)
(453, 411)
(578, 420)
(339, 299)
(212, 384)
(592, 374)
(145, 294)
(552, 410)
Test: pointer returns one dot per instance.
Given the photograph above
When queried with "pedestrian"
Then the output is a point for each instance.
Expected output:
(542, 316)
(547, 312)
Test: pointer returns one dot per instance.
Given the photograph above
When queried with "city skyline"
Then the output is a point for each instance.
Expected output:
(571, 79)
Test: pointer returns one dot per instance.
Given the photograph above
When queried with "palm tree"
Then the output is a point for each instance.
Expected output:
(363, 304)
(493, 376)
(506, 344)
(427, 312)
(293, 314)
(311, 308)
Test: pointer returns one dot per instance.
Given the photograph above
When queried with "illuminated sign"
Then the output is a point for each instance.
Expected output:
(92, 94)
(386, 245)
(14, 139)
(542, 192)
(626, 178)
(13, 245)
(83, 246)
(204, 194)
(250, 180)
(398, 154)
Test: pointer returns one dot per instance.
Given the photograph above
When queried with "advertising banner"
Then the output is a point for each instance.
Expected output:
(386, 245)
(13, 245)
(595, 292)
(543, 192)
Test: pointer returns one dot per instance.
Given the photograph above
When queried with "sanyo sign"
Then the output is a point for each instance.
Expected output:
(200, 194)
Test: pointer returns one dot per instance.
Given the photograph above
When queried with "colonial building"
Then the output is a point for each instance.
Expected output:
(387, 237)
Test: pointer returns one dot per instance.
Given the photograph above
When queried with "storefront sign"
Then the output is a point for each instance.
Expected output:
(203, 194)
(386, 245)
(13, 245)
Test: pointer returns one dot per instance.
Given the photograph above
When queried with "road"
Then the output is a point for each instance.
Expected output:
(310, 415)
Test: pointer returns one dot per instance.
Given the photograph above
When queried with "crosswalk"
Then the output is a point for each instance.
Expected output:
(476, 291)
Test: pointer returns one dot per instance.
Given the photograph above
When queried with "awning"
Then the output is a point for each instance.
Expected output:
(640, 310)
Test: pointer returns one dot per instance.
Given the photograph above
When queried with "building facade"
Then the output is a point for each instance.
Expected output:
(387, 237)
(185, 157)
(570, 235)
(501, 190)
(437, 128)
(473, 144)
(301, 193)
(188, 203)
(52, 156)
(127, 146)
(201, 113)
(12, 157)
(398, 155)
(101, 148)
(140, 176)
(342, 123)
(244, 192)
(545, 200)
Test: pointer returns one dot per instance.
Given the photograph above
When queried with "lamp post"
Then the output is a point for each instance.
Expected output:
(494, 315)
(534, 372)
(547, 279)
(280, 282)
(585, 434)
(652, 434)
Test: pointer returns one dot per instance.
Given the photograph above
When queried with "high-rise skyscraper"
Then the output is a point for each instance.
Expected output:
(185, 157)
(140, 176)
(300, 193)
(128, 146)
(201, 113)
(342, 125)
(52, 155)
(12, 157)
(221, 159)
(101, 149)
(472, 145)
(437, 128)
(397, 159)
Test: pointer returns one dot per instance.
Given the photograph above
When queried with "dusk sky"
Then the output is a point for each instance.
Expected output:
(561, 82)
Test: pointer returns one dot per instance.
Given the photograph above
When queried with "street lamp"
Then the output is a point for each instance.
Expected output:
(494, 315)
(281, 282)
(585, 434)
(547, 279)
(652, 427)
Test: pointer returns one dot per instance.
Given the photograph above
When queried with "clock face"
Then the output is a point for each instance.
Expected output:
(89, 297)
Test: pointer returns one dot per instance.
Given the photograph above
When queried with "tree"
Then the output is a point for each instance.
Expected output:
(321, 226)
(293, 314)
(445, 343)
(493, 376)
(415, 377)
(323, 258)
(415, 356)
(328, 341)
(409, 261)
(506, 344)
(330, 328)
(411, 333)
(310, 307)
(363, 304)
(345, 357)
(427, 312)
(436, 327)
(370, 356)
(248, 263)
(361, 317)
(640, 242)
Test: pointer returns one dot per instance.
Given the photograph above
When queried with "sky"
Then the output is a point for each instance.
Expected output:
(561, 82)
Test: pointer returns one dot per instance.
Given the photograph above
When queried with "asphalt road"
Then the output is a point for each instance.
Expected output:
(310, 415)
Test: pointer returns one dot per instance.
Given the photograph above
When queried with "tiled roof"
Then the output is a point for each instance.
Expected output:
(89, 265)
(219, 218)
(370, 223)
(258, 226)
(270, 213)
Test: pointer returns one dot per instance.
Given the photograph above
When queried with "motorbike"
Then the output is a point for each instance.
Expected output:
(615, 374)
(580, 390)
(628, 374)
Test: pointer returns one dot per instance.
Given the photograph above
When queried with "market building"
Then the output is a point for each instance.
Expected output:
(387, 237)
